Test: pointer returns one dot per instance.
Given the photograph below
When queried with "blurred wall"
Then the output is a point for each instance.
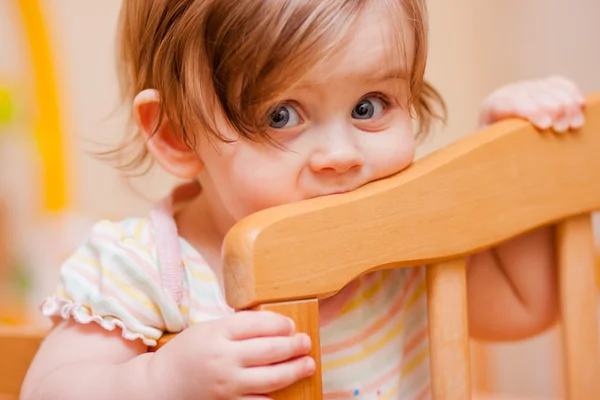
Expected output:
(85, 38)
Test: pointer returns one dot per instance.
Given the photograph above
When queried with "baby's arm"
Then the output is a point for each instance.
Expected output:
(237, 357)
(512, 289)
(79, 361)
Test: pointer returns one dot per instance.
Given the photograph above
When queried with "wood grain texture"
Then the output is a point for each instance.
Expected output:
(597, 258)
(482, 190)
(17, 348)
(579, 308)
(448, 330)
(305, 314)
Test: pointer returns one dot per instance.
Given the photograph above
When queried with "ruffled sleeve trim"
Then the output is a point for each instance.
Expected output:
(64, 308)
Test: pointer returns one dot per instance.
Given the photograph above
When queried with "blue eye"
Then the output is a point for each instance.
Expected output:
(368, 108)
(284, 117)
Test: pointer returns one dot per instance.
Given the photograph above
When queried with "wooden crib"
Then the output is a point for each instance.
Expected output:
(493, 185)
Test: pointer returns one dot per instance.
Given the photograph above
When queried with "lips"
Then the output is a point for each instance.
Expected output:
(328, 190)
(330, 193)
(340, 191)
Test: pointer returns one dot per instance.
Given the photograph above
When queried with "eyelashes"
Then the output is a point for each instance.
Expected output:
(288, 114)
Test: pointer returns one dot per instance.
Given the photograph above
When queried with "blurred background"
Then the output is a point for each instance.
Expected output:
(59, 103)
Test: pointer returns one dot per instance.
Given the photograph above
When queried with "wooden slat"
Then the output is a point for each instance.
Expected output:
(579, 308)
(448, 330)
(472, 195)
(597, 258)
(18, 346)
(305, 314)
(481, 371)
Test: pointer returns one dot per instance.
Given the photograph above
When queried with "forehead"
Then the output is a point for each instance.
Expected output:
(379, 41)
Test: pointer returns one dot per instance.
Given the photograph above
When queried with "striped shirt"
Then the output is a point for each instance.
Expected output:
(373, 332)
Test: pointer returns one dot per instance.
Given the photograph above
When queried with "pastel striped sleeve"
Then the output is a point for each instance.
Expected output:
(113, 279)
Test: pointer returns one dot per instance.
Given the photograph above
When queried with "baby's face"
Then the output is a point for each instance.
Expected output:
(346, 125)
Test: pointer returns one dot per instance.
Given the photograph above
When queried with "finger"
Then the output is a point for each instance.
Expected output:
(272, 350)
(551, 99)
(553, 103)
(569, 86)
(523, 103)
(571, 115)
(573, 107)
(252, 324)
(255, 397)
(541, 111)
(269, 378)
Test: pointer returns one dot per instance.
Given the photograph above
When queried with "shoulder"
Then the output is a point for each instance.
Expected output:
(114, 278)
(126, 237)
(116, 249)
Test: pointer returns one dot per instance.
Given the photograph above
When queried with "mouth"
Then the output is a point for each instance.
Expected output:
(339, 191)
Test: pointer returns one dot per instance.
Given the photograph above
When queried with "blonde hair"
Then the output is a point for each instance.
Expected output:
(229, 55)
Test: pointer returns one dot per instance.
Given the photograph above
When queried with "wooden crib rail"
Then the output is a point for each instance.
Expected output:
(502, 181)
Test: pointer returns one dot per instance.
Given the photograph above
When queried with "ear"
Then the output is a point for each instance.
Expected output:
(164, 143)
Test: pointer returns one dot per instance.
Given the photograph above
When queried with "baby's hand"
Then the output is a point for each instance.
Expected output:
(555, 102)
(243, 356)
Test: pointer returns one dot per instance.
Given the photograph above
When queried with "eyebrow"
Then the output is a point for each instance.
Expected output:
(395, 73)
(368, 76)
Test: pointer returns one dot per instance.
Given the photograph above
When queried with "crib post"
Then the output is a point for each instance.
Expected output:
(18, 346)
(305, 313)
(448, 330)
(578, 308)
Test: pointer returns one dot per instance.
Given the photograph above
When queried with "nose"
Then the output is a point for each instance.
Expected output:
(337, 152)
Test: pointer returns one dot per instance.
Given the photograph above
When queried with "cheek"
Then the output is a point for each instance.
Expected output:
(394, 150)
(393, 159)
(254, 178)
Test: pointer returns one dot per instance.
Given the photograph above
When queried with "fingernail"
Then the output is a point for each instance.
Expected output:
(561, 125)
(306, 342)
(310, 365)
(577, 121)
(545, 122)
(292, 325)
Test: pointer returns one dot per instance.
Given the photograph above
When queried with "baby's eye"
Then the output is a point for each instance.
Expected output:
(368, 108)
(284, 116)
